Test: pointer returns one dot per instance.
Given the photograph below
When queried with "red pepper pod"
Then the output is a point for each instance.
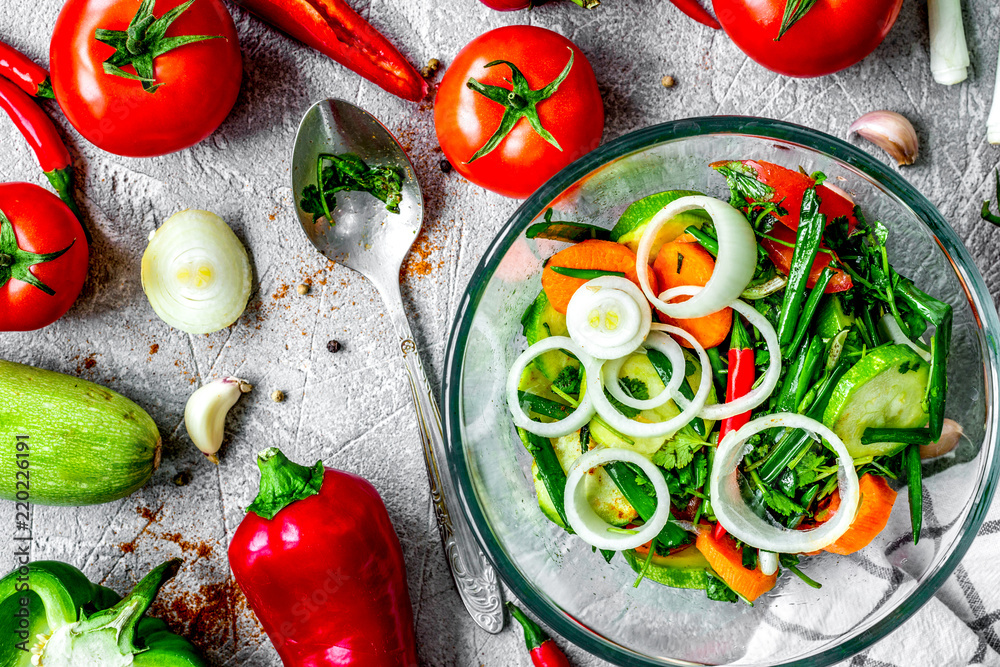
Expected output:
(21, 70)
(321, 566)
(693, 10)
(333, 28)
(41, 134)
(543, 651)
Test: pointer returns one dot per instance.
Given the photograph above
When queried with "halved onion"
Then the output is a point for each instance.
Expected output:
(656, 341)
(577, 418)
(196, 273)
(899, 338)
(762, 391)
(736, 262)
(608, 317)
(739, 520)
(636, 429)
(593, 529)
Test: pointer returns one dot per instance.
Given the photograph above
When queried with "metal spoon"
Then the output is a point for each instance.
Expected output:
(372, 241)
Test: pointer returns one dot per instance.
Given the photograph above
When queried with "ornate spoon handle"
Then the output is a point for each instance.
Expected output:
(474, 577)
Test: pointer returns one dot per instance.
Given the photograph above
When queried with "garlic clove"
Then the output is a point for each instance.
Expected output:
(951, 433)
(890, 131)
(206, 410)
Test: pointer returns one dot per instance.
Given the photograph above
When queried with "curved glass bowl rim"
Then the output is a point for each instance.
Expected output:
(638, 140)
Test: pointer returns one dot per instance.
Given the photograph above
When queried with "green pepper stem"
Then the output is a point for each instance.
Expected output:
(282, 482)
(534, 636)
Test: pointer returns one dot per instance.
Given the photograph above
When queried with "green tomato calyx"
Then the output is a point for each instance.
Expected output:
(520, 101)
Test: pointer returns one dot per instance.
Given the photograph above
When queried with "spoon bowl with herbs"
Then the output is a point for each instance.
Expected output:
(359, 203)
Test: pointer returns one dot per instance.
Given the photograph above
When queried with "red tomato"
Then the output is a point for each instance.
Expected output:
(465, 119)
(832, 35)
(507, 5)
(781, 255)
(789, 188)
(41, 224)
(199, 80)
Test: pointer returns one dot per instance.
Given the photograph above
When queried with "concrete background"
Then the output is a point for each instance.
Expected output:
(352, 409)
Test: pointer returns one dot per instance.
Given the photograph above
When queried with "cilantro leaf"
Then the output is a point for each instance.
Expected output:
(568, 380)
(679, 451)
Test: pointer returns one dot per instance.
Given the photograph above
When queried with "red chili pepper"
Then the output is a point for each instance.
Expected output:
(20, 69)
(544, 652)
(742, 373)
(334, 28)
(321, 566)
(694, 10)
(43, 138)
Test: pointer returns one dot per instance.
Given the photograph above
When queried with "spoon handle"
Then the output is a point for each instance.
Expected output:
(474, 577)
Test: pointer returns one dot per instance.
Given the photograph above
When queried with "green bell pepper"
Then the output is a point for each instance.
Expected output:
(51, 610)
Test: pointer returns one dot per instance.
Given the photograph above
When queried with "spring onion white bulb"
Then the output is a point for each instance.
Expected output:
(993, 122)
(740, 520)
(897, 336)
(673, 352)
(737, 257)
(768, 562)
(196, 273)
(206, 410)
(580, 416)
(949, 52)
(608, 317)
(595, 530)
(768, 382)
(637, 429)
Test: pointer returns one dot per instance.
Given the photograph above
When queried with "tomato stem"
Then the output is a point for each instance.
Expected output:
(518, 102)
(144, 41)
(16, 263)
(794, 11)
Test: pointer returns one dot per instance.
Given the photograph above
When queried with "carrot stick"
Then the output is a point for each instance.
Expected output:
(727, 561)
(872, 516)
(684, 263)
(593, 254)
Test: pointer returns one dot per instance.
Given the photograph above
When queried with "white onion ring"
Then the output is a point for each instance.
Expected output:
(768, 562)
(636, 429)
(593, 529)
(661, 343)
(739, 520)
(569, 424)
(762, 391)
(634, 317)
(737, 256)
(900, 338)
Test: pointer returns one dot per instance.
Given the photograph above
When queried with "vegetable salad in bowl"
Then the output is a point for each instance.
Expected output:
(718, 389)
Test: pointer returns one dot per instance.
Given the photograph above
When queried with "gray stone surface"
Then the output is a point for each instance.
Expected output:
(352, 409)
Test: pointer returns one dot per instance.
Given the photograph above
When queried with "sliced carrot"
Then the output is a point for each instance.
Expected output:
(591, 254)
(682, 263)
(780, 252)
(727, 561)
(873, 513)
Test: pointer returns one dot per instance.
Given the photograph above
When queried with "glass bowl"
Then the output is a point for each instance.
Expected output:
(593, 604)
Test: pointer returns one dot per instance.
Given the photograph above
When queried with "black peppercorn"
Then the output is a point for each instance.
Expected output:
(445, 166)
(333, 346)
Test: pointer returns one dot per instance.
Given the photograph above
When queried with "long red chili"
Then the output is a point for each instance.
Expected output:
(694, 10)
(742, 373)
(44, 139)
(544, 652)
(20, 69)
(334, 28)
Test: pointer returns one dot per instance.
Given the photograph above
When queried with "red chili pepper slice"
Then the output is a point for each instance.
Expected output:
(41, 134)
(29, 77)
(742, 374)
(693, 9)
(332, 27)
(544, 652)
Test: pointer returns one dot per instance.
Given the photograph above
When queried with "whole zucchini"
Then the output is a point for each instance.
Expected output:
(66, 441)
